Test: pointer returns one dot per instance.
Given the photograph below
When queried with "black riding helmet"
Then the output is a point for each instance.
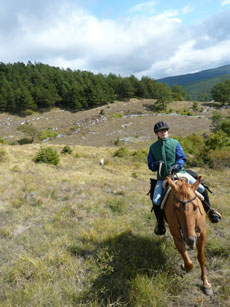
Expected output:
(160, 126)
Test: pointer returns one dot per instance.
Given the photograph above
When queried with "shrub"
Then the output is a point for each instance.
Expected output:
(102, 112)
(77, 155)
(217, 140)
(117, 115)
(193, 143)
(66, 150)
(219, 158)
(2, 141)
(29, 130)
(48, 134)
(26, 112)
(3, 155)
(225, 125)
(117, 142)
(194, 148)
(186, 112)
(195, 106)
(140, 155)
(47, 155)
(25, 141)
(117, 205)
(122, 152)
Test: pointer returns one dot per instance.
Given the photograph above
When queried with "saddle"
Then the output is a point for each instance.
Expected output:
(167, 189)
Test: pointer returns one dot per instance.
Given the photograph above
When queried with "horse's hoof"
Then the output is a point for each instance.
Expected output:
(208, 291)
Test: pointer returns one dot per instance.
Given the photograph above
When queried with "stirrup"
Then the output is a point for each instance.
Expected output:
(215, 212)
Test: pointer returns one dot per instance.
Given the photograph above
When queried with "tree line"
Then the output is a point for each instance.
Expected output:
(28, 87)
(37, 86)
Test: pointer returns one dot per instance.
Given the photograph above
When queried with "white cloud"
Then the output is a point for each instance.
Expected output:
(226, 2)
(144, 7)
(187, 9)
(66, 35)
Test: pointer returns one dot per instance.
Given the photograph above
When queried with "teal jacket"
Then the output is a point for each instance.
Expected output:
(170, 151)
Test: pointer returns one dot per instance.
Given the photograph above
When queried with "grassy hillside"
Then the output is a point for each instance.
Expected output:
(196, 77)
(197, 89)
(81, 234)
(199, 84)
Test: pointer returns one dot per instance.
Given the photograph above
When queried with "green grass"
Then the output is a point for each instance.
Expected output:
(81, 234)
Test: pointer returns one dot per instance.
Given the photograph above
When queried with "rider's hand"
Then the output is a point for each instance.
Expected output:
(175, 168)
(157, 163)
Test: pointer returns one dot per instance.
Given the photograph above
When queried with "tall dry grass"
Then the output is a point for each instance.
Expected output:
(81, 234)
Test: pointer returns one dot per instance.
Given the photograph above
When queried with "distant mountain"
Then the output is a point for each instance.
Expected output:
(198, 85)
(201, 90)
(198, 76)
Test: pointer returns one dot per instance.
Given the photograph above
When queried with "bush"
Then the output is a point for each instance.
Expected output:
(48, 134)
(30, 131)
(117, 142)
(3, 155)
(25, 141)
(195, 106)
(66, 150)
(3, 141)
(217, 140)
(26, 112)
(194, 148)
(219, 158)
(140, 155)
(117, 205)
(121, 152)
(77, 155)
(117, 115)
(225, 125)
(185, 112)
(47, 155)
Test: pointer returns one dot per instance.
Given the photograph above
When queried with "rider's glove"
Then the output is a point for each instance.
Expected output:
(175, 168)
(157, 163)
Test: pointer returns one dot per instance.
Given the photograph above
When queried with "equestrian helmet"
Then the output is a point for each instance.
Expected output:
(160, 126)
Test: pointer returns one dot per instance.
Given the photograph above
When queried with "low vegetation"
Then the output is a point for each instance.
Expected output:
(211, 150)
(81, 233)
(47, 155)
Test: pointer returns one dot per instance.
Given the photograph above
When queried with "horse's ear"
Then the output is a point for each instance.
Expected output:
(172, 184)
(196, 183)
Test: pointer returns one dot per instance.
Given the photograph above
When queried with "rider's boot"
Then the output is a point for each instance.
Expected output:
(213, 216)
(160, 226)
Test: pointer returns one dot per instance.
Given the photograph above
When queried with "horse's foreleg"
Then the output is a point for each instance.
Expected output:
(180, 245)
(201, 258)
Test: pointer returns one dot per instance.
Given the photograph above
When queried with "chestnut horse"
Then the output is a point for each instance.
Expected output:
(187, 223)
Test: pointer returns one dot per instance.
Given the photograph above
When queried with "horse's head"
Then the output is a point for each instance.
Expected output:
(186, 204)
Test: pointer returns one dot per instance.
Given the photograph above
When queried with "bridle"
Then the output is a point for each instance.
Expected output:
(184, 203)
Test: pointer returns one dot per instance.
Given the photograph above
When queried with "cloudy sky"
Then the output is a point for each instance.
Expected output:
(151, 38)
